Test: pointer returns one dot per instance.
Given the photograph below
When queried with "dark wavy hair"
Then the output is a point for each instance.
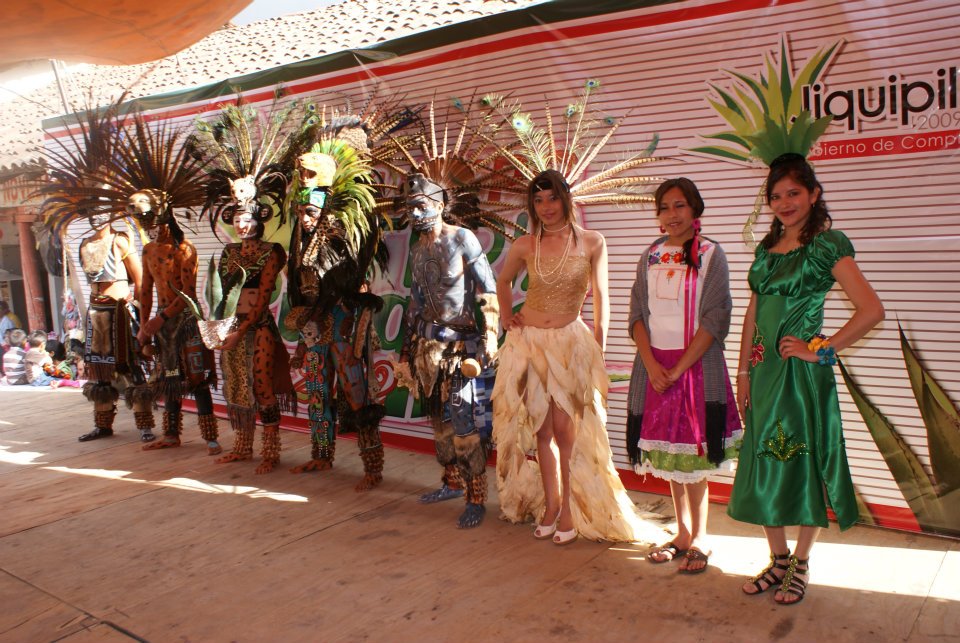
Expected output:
(795, 167)
(57, 349)
(694, 200)
(550, 180)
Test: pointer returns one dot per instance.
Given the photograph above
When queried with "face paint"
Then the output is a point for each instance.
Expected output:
(309, 216)
(246, 225)
(424, 213)
(98, 221)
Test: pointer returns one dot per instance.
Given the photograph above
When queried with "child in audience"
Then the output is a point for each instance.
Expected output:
(37, 360)
(13, 362)
(61, 367)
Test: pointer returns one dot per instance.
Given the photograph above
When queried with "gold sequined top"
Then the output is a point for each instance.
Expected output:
(568, 289)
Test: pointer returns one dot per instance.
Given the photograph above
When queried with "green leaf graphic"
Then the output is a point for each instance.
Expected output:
(903, 463)
(941, 419)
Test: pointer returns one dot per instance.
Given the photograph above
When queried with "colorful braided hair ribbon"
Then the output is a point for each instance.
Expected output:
(695, 246)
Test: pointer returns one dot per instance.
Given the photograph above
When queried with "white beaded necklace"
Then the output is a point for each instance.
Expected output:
(559, 268)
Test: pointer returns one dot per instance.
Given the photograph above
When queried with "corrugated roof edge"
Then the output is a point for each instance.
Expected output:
(547, 12)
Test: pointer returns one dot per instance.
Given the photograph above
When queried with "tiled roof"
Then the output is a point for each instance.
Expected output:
(232, 52)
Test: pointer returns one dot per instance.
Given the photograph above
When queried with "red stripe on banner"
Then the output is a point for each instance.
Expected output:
(513, 42)
(550, 34)
(889, 145)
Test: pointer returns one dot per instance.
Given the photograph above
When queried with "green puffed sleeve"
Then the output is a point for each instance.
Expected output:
(826, 249)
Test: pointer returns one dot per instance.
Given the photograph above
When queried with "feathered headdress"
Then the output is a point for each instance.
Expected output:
(571, 148)
(71, 164)
(355, 146)
(153, 159)
(333, 183)
(373, 128)
(464, 164)
(251, 154)
(378, 129)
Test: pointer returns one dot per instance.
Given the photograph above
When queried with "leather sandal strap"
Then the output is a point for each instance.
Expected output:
(790, 583)
(797, 586)
(766, 578)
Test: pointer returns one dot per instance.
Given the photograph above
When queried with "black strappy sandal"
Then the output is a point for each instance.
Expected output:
(767, 579)
(670, 552)
(793, 585)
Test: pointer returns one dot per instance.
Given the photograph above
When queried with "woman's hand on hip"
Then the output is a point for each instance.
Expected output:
(791, 346)
(515, 321)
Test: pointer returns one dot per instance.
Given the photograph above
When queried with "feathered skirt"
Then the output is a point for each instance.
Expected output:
(565, 366)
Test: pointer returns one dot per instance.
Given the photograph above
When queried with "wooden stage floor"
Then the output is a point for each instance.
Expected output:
(103, 542)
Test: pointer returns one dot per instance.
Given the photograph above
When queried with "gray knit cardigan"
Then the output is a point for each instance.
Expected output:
(714, 312)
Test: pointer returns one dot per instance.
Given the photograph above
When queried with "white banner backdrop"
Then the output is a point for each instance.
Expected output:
(887, 164)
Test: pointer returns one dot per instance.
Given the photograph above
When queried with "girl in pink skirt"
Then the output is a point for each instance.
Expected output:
(682, 423)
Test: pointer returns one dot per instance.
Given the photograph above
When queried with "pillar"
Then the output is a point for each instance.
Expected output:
(32, 272)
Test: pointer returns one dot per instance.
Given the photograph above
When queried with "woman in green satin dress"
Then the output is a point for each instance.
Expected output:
(793, 461)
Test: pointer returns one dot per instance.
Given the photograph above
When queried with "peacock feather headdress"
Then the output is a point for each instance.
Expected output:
(571, 147)
(251, 154)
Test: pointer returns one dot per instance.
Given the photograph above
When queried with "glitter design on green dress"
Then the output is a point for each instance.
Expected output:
(782, 447)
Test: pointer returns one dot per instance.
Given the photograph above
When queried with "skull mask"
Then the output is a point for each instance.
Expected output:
(425, 200)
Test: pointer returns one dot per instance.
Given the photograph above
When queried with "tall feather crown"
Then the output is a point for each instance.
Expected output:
(571, 148)
(72, 163)
(251, 154)
(153, 158)
(471, 169)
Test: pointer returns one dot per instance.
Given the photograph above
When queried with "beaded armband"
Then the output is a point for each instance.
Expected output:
(821, 346)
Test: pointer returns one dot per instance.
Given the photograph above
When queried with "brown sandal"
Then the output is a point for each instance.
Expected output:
(793, 585)
(767, 577)
(670, 549)
(695, 554)
(162, 443)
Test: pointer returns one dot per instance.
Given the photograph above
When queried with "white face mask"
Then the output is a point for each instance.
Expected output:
(153, 233)
(245, 225)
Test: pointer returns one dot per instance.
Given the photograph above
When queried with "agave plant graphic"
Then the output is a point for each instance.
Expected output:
(933, 499)
(766, 116)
